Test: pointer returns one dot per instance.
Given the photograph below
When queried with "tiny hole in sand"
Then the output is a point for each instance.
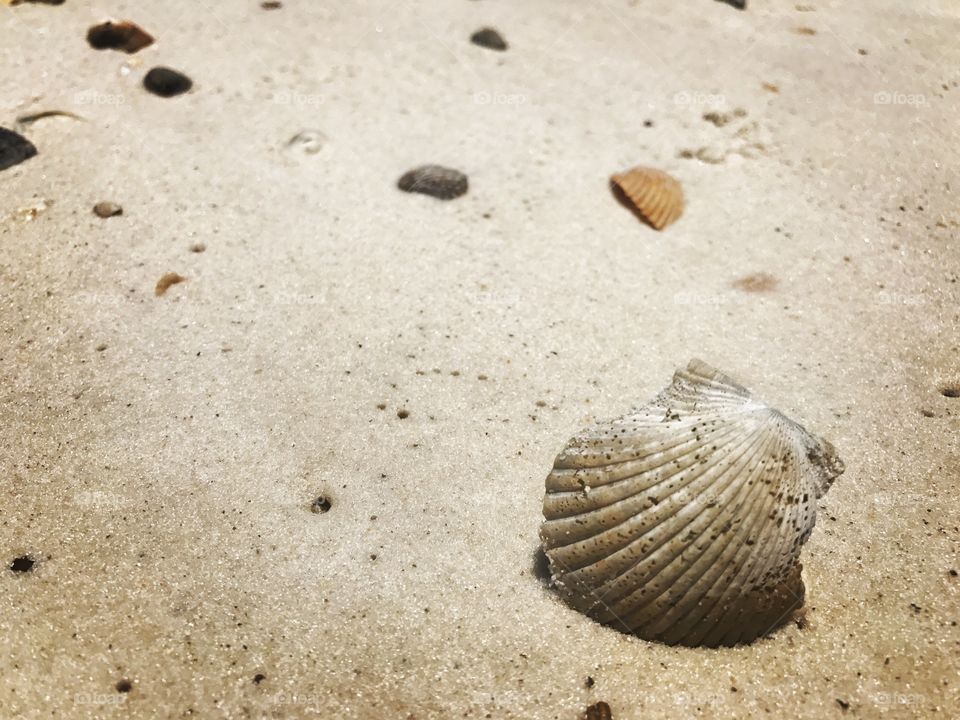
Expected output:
(321, 504)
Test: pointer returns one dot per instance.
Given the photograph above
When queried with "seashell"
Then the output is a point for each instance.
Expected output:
(682, 521)
(166, 281)
(652, 194)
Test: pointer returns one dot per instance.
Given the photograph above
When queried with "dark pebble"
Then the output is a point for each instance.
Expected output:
(271, 4)
(259, 678)
(107, 209)
(22, 564)
(434, 180)
(124, 686)
(165, 82)
(489, 38)
(738, 4)
(14, 148)
(126, 36)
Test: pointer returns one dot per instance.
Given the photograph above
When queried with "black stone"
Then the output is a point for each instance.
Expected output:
(14, 148)
(434, 180)
(489, 38)
(125, 36)
(22, 564)
(738, 4)
(165, 82)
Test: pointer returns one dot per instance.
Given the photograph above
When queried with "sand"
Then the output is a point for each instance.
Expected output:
(160, 454)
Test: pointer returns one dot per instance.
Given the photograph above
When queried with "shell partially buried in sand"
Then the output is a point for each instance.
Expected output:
(652, 194)
(682, 522)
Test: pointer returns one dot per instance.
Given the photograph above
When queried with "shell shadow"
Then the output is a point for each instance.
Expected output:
(540, 566)
(621, 197)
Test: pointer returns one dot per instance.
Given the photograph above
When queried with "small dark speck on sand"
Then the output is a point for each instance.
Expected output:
(22, 564)
(738, 4)
(124, 686)
(259, 678)
(844, 705)
(14, 148)
(403, 414)
(434, 180)
(166, 83)
(271, 4)
(489, 38)
(590, 682)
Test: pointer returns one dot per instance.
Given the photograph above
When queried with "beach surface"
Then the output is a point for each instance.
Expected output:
(419, 363)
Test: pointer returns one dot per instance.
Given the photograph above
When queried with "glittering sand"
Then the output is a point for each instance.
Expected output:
(418, 362)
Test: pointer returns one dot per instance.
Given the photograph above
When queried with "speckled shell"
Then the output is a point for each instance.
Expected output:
(682, 522)
(656, 196)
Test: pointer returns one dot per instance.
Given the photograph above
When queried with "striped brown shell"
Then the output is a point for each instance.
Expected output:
(682, 522)
(653, 194)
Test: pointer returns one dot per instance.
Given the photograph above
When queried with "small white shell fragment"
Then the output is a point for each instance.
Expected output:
(700, 502)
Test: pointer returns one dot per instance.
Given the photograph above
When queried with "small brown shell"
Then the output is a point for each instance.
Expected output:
(166, 281)
(652, 194)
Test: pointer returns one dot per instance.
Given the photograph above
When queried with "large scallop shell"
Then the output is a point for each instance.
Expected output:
(682, 522)
(652, 194)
